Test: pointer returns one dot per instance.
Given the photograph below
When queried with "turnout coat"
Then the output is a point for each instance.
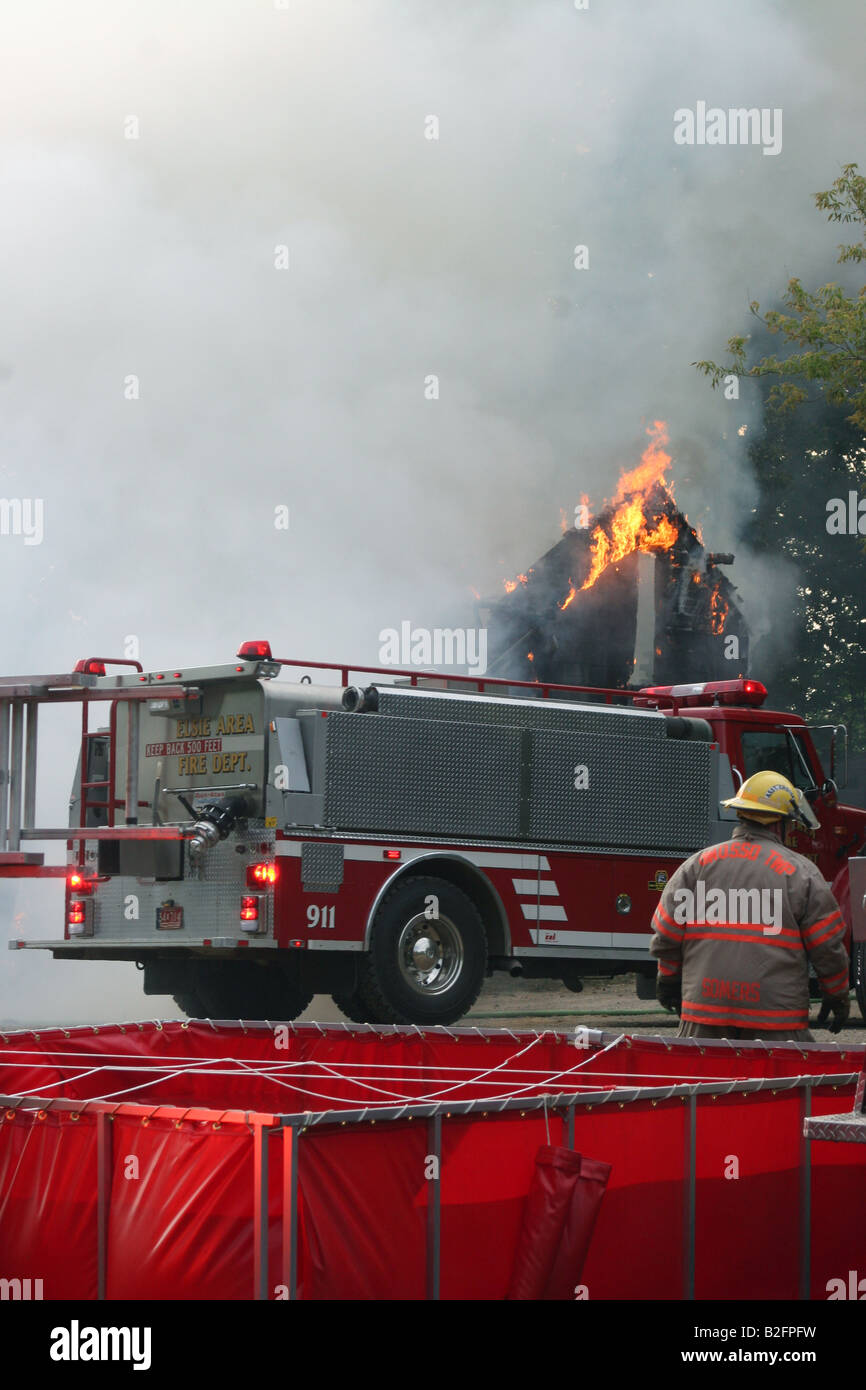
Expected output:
(737, 924)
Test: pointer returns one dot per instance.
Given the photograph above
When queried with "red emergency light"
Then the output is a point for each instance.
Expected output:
(95, 665)
(249, 909)
(735, 692)
(254, 651)
(260, 875)
(78, 883)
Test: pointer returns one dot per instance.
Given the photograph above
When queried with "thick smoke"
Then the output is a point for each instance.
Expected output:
(261, 126)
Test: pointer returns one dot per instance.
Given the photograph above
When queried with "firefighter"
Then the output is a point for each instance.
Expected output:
(739, 922)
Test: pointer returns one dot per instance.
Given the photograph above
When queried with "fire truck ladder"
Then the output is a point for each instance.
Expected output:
(20, 698)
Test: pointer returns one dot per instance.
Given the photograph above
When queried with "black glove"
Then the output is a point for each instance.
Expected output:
(840, 1007)
(669, 993)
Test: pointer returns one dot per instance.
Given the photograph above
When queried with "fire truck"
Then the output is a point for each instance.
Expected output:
(254, 833)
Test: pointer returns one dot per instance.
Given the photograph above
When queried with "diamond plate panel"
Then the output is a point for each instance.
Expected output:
(321, 864)
(658, 798)
(524, 714)
(841, 1129)
(422, 775)
(211, 902)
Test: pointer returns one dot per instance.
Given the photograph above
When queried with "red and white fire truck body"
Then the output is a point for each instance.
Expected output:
(251, 841)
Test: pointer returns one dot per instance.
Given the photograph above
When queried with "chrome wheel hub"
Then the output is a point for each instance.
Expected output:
(430, 954)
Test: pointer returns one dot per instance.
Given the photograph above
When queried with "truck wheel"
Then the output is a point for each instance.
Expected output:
(858, 974)
(353, 1006)
(420, 968)
(239, 989)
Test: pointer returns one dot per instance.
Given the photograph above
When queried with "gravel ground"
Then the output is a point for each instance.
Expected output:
(604, 1003)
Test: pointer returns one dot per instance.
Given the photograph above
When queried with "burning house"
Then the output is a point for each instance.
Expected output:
(592, 612)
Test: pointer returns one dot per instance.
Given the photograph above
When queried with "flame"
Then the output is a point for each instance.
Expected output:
(630, 529)
(719, 610)
(511, 584)
(571, 593)
(530, 656)
(629, 532)
(653, 465)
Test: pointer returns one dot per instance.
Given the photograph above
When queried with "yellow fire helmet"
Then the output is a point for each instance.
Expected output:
(765, 796)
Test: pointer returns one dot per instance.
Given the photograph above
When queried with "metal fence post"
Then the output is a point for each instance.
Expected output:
(260, 1211)
(689, 1200)
(805, 1195)
(290, 1210)
(103, 1198)
(434, 1150)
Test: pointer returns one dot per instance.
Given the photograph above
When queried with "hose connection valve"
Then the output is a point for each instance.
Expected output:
(215, 822)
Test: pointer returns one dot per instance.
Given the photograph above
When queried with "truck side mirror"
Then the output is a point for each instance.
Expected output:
(830, 791)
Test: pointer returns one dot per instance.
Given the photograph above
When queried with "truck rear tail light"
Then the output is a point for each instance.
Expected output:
(260, 875)
(250, 919)
(79, 918)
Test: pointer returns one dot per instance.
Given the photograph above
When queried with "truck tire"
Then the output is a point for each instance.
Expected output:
(239, 989)
(420, 968)
(858, 974)
(189, 1003)
(354, 1008)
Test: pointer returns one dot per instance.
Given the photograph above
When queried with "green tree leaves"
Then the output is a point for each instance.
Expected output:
(824, 331)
